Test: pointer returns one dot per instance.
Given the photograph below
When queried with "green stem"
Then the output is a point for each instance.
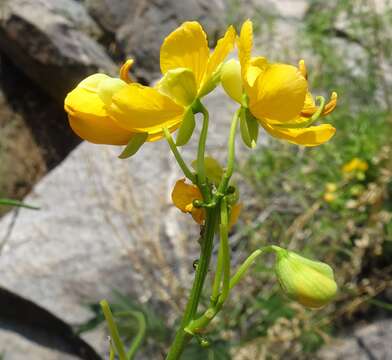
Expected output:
(201, 171)
(231, 154)
(248, 262)
(137, 341)
(223, 262)
(224, 238)
(198, 325)
(218, 276)
(10, 202)
(182, 337)
(115, 336)
(187, 172)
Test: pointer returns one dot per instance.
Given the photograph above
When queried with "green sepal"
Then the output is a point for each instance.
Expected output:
(186, 129)
(214, 170)
(212, 83)
(134, 145)
(249, 128)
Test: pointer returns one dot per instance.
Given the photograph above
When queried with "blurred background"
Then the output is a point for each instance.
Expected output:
(105, 228)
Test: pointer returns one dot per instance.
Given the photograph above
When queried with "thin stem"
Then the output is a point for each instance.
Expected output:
(218, 276)
(224, 235)
(187, 172)
(137, 341)
(182, 337)
(115, 336)
(201, 171)
(112, 354)
(248, 262)
(231, 154)
(198, 325)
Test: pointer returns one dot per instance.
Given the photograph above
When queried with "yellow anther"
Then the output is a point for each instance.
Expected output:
(302, 68)
(124, 71)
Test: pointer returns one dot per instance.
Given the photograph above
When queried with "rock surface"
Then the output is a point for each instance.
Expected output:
(16, 140)
(47, 40)
(134, 24)
(15, 347)
(367, 342)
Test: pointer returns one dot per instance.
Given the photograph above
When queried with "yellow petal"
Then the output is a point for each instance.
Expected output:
(108, 87)
(231, 80)
(235, 213)
(186, 47)
(183, 195)
(198, 215)
(92, 82)
(222, 49)
(257, 65)
(180, 85)
(141, 108)
(245, 44)
(310, 136)
(278, 94)
(89, 119)
(308, 110)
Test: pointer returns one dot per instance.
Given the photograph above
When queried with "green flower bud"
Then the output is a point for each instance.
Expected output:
(231, 79)
(309, 282)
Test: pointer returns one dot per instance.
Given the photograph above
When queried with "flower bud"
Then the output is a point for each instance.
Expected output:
(231, 79)
(309, 282)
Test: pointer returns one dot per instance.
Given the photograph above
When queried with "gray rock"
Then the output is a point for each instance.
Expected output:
(49, 41)
(22, 163)
(367, 342)
(140, 26)
(107, 224)
(15, 347)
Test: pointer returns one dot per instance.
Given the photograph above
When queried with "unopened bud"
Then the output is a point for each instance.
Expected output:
(231, 79)
(309, 282)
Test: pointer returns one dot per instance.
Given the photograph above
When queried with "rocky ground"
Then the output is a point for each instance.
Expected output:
(103, 223)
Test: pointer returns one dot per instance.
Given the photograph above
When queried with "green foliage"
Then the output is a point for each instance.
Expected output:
(307, 203)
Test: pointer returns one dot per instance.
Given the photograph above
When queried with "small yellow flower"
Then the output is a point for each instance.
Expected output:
(329, 197)
(331, 187)
(277, 94)
(113, 114)
(356, 164)
(184, 194)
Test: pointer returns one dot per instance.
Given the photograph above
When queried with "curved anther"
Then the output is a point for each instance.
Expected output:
(302, 68)
(124, 71)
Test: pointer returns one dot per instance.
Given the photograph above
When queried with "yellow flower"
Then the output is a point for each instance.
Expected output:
(189, 72)
(277, 94)
(329, 196)
(331, 187)
(184, 194)
(86, 106)
(356, 164)
(109, 110)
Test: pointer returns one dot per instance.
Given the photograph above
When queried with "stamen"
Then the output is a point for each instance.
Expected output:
(124, 71)
(319, 111)
(331, 105)
(302, 68)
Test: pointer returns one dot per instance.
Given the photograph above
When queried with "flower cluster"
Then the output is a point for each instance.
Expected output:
(273, 96)
(107, 110)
